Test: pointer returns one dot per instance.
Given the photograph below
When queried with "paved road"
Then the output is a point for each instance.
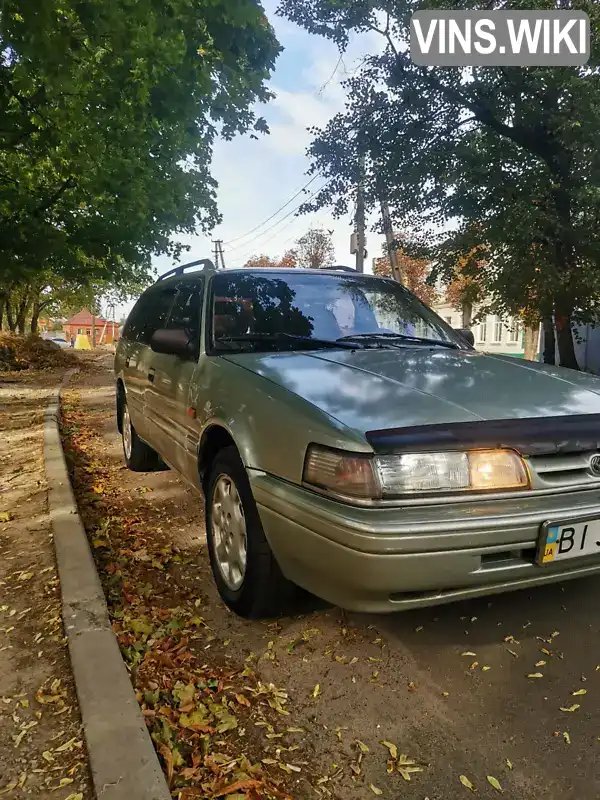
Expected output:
(448, 686)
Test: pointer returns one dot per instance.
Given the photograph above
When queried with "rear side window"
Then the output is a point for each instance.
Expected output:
(148, 315)
(185, 313)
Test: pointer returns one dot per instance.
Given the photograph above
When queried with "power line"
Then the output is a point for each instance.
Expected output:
(289, 214)
(268, 219)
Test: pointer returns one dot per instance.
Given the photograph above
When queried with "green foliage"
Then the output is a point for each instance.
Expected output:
(506, 158)
(109, 114)
(315, 249)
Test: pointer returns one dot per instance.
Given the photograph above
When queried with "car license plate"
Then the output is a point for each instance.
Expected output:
(568, 540)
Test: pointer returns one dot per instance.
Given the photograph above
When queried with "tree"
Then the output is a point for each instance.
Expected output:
(109, 114)
(287, 261)
(500, 155)
(315, 249)
(415, 272)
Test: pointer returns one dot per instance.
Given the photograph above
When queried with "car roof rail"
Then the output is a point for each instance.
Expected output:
(340, 268)
(206, 263)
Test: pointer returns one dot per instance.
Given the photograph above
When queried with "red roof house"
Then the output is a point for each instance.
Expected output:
(84, 322)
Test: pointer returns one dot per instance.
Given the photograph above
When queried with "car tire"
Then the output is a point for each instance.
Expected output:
(139, 456)
(258, 588)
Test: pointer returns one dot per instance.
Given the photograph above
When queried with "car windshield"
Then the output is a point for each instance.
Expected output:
(281, 311)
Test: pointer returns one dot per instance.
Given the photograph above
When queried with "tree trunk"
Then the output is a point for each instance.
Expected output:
(530, 344)
(35, 317)
(2, 305)
(10, 318)
(549, 341)
(566, 345)
(22, 316)
(467, 315)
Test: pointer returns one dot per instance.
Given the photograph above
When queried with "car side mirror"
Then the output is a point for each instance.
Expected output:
(171, 342)
(467, 335)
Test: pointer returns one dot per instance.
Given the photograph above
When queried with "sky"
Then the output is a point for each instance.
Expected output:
(256, 178)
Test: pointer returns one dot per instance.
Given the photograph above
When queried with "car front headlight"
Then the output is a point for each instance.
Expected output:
(386, 477)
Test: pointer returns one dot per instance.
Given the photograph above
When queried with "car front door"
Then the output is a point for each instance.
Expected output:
(168, 394)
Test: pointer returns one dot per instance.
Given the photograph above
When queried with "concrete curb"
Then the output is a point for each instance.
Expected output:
(123, 762)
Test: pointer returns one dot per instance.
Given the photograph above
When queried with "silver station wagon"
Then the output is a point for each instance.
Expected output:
(347, 441)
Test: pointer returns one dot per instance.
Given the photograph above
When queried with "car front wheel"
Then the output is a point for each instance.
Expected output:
(245, 570)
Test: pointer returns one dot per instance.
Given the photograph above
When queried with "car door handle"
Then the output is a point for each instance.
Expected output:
(151, 375)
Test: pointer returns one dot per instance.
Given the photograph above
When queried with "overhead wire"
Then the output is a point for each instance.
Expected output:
(289, 214)
(275, 213)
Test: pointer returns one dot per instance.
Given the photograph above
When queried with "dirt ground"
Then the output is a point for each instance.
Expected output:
(497, 694)
(42, 752)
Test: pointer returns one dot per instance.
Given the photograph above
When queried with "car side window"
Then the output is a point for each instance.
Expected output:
(148, 315)
(185, 314)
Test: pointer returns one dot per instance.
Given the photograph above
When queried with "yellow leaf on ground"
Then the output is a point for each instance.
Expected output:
(567, 737)
(466, 782)
(392, 748)
(316, 690)
(535, 675)
(494, 782)
(579, 692)
(375, 790)
(363, 747)
(468, 653)
(574, 707)
(509, 763)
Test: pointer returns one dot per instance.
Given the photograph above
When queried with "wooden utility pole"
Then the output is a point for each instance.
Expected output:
(389, 238)
(218, 253)
(359, 220)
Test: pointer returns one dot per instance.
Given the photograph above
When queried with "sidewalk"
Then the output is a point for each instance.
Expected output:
(42, 751)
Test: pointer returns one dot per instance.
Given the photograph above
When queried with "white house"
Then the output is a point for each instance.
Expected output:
(492, 335)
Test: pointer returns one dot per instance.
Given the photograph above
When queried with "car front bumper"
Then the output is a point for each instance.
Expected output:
(390, 559)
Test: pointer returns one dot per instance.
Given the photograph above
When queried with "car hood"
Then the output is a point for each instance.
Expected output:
(389, 388)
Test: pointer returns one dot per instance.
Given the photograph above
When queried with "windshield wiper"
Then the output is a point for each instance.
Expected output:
(274, 337)
(403, 336)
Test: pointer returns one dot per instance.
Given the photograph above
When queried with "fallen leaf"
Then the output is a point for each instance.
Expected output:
(245, 785)
(12, 785)
(316, 690)
(375, 790)
(554, 633)
(468, 653)
(466, 782)
(567, 737)
(574, 707)
(579, 692)
(363, 747)
(6, 516)
(485, 668)
(418, 629)
(540, 663)
(392, 748)
(494, 782)
(509, 763)
(535, 675)
(545, 651)
(78, 796)
(474, 664)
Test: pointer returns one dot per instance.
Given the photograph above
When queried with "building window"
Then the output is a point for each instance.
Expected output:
(482, 331)
(497, 336)
(79, 330)
(513, 331)
(88, 331)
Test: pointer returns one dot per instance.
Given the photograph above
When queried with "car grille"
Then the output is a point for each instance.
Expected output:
(563, 470)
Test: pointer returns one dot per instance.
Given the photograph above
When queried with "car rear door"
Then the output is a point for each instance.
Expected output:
(168, 394)
(135, 356)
